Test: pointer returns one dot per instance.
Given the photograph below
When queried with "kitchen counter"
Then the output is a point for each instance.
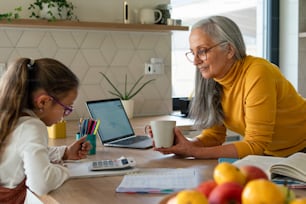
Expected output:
(139, 123)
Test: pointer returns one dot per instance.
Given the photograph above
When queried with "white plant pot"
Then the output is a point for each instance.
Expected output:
(128, 107)
(44, 13)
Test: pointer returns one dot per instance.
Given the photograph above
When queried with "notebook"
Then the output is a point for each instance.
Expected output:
(159, 180)
(115, 129)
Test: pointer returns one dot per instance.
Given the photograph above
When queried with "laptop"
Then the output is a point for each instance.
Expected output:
(115, 129)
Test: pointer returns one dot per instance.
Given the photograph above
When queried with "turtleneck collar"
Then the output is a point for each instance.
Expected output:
(231, 75)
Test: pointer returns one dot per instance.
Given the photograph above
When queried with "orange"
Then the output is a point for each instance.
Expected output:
(299, 201)
(191, 197)
(262, 191)
(227, 172)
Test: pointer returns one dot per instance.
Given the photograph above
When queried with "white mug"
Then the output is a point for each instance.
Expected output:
(163, 132)
(147, 16)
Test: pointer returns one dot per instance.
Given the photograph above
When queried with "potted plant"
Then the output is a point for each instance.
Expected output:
(52, 10)
(11, 15)
(127, 95)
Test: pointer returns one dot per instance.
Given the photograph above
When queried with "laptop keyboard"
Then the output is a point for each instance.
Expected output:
(131, 140)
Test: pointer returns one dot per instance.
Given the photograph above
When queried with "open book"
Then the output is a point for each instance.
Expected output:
(289, 170)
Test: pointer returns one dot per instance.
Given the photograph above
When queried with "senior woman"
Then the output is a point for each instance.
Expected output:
(239, 92)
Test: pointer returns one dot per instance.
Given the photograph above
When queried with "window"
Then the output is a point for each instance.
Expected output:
(248, 15)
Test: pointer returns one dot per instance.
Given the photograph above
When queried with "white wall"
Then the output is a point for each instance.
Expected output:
(302, 48)
(288, 56)
(293, 47)
(89, 10)
(88, 52)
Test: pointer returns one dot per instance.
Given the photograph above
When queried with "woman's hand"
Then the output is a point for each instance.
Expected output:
(182, 146)
(77, 150)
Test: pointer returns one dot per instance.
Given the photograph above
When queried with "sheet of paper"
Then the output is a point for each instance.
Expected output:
(159, 180)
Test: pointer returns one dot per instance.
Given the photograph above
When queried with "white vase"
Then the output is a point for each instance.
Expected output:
(128, 107)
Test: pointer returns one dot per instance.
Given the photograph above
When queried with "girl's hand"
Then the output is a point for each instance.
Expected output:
(77, 150)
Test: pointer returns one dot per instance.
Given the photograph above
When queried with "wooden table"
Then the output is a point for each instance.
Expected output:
(102, 189)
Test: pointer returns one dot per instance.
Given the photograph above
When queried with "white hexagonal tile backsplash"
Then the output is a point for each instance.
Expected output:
(87, 53)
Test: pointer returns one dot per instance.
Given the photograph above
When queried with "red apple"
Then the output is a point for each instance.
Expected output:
(253, 172)
(226, 193)
(206, 187)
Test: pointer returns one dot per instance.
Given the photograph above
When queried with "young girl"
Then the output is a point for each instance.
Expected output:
(33, 95)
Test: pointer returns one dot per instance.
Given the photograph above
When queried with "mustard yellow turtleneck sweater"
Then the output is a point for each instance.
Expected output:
(262, 106)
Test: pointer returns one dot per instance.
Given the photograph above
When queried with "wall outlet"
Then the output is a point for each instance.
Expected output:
(154, 68)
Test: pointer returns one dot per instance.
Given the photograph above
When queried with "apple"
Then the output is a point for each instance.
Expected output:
(227, 172)
(253, 172)
(226, 193)
(206, 187)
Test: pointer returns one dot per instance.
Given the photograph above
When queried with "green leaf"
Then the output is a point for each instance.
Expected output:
(126, 95)
(131, 96)
(114, 87)
(116, 94)
(125, 86)
(10, 15)
(136, 83)
(38, 4)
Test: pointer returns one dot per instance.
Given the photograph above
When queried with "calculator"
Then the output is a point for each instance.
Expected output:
(112, 164)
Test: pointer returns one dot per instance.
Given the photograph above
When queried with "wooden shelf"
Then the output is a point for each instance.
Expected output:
(31, 23)
(302, 35)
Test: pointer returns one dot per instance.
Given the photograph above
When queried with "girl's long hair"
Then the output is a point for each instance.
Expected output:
(22, 78)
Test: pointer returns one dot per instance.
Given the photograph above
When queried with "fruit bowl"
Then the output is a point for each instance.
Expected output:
(167, 198)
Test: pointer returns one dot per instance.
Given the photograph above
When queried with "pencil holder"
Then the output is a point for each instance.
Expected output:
(92, 139)
(57, 130)
(77, 136)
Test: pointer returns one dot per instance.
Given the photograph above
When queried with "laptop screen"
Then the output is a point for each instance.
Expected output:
(114, 121)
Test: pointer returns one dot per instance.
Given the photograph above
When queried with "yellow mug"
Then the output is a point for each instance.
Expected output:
(57, 130)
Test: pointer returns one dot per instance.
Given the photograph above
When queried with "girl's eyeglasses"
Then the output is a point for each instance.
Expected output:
(67, 109)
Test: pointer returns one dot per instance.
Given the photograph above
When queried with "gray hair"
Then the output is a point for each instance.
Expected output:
(206, 106)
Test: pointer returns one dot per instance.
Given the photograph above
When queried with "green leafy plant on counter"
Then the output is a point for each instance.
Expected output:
(127, 94)
(11, 15)
(56, 10)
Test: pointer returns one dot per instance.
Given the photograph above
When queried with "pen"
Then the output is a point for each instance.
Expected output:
(88, 128)
(80, 125)
(84, 125)
(97, 126)
(93, 127)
